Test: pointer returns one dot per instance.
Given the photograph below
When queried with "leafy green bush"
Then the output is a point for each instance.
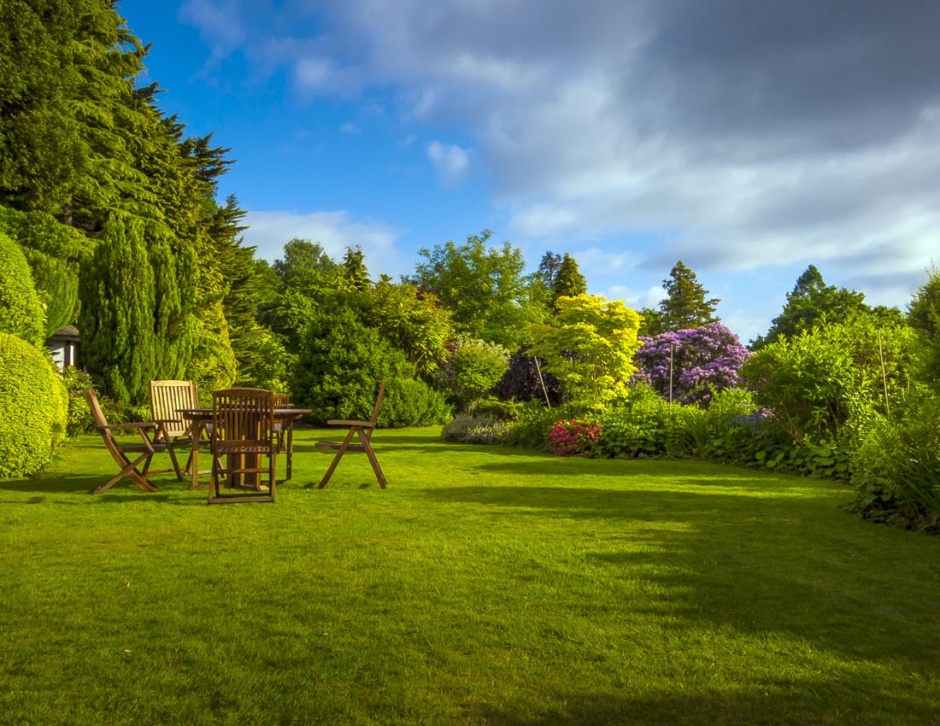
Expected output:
(34, 403)
(896, 468)
(474, 368)
(21, 312)
(80, 420)
(531, 430)
(638, 428)
(410, 402)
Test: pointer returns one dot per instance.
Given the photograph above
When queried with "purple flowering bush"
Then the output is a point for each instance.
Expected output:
(577, 437)
(705, 360)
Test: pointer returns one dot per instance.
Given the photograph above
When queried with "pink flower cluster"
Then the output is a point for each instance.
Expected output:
(578, 437)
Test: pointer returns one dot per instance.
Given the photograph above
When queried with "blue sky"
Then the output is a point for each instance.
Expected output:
(747, 139)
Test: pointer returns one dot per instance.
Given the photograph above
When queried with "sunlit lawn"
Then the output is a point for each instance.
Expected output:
(486, 585)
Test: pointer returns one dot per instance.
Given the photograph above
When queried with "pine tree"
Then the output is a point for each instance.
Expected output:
(686, 305)
(569, 282)
(548, 268)
(354, 276)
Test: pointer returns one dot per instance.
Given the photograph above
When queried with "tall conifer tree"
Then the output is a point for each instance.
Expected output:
(685, 305)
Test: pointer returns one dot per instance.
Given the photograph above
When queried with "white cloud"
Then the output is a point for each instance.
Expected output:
(451, 162)
(335, 231)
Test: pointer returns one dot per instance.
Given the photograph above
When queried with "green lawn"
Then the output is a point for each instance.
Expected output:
(485, 586)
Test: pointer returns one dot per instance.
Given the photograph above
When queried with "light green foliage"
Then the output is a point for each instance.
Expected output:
(476, 367)
(34, 403)
(589, 346)
(353, 275)
(811, 304)
(818, 382)
(412, 321)
(21, 312)
(924, 317)
(55, 252)
(896, 468)
(685, 305)
(483, 287)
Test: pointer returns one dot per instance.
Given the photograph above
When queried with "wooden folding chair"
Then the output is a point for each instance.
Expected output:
(242, 435)
(363, 430)
(167, 399)
(121, 452)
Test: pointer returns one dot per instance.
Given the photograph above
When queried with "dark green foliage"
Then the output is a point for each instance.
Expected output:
(685, 305)
(810, 304)
(548, 268)
(896, 469)
(924, 317)
(568, 281)
(526, 379)
(34, 403)
(21, 312)
(651, 323)
(340, 366)
(117, 317)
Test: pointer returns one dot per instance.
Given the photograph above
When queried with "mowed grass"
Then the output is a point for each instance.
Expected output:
(486, 585)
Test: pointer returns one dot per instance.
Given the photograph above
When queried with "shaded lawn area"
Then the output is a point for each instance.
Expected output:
(486, 585)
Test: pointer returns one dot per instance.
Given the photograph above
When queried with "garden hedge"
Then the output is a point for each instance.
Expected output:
(21, 311)
(34, 405)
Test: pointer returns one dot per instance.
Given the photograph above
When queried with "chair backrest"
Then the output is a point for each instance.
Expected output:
(167, 399)
(281, 400)
(242, 414)
(378, 404)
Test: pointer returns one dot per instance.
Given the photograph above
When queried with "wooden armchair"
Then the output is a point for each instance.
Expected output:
(167, 399)
(363, 430)
(148, 444)
(242, 436)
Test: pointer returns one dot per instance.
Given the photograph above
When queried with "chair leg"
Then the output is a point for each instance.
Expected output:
(339, 455)
(176, 465)
(367, 447)
(130, 471)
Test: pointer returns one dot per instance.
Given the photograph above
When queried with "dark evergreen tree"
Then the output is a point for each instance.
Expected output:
(569, 281)
(685, 305)
(812, 303)
(548, 268)
(117, 291)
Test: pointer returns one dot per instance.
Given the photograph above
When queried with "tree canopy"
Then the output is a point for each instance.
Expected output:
(686, 304)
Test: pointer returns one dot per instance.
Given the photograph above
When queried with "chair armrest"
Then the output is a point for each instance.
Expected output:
(132, 425)
(340, 422)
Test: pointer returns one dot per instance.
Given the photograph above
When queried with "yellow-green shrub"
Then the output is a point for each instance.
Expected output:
(34, 405)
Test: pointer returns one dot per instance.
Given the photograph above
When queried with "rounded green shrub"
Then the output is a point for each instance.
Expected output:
(34, 403)
(21, 312)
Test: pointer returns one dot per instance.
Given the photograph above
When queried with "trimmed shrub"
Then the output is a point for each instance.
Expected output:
(21, 312)
(35, 408)
(410, 402)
